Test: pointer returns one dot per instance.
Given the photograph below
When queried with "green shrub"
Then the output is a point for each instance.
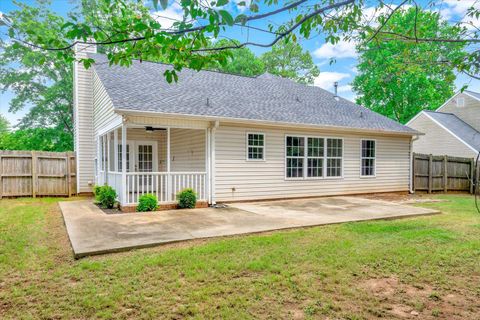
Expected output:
(147, 202)
(187, 198)
(96, 190)
(105, 196)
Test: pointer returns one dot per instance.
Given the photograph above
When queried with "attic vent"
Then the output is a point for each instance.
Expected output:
(460, 102)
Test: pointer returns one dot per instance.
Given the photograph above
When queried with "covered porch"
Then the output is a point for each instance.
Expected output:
(159, 160)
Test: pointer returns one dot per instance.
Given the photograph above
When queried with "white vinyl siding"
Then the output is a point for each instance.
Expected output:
(103, 113)
(84, 142)
(237, 179)
(187, 150)
(437, 140)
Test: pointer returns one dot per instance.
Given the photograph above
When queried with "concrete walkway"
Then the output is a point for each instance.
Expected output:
(91, 231)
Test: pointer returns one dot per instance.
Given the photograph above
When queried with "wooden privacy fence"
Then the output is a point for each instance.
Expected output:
(37, 173)
(443, 173)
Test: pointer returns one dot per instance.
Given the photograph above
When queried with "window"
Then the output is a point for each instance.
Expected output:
(334, 157)
(368, 158)
(295, 154)
(119, 157)
(313, 157)
(255, 146)
(460, 102)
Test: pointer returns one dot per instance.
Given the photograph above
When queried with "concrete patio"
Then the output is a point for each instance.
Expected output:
(91, 231)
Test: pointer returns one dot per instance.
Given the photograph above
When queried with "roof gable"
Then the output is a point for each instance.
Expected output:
(460, 129)
(142, 87)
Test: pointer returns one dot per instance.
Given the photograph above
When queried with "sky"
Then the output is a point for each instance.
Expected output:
(342, 70)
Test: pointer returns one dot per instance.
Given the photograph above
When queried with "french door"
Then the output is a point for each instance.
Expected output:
(146, 161)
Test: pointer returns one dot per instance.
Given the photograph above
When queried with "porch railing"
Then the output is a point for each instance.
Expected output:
(163, 185)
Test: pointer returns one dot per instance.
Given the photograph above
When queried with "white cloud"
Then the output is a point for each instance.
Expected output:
(326, 79)
(342, 49)
(169, 16)
(456, 8)
(242, 8)
(347, 88)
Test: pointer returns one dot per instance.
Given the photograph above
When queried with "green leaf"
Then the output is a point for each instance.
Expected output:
(164, 4)
(226, 17)
(241, 18)
(221, 3)
(140, 27)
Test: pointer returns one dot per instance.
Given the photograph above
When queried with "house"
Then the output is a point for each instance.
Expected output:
(229, 137)
(453, 129)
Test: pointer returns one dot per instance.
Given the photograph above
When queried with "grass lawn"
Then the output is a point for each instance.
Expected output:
(423, 268)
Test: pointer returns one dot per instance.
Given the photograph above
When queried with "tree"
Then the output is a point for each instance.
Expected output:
(40, 79)
(44, 139)
(240, 61)
(133, 32)
(399, 85)
(288, 60)
(4, 125)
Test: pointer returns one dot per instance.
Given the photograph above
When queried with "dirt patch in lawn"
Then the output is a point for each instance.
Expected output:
(422, 301)
(401, 197)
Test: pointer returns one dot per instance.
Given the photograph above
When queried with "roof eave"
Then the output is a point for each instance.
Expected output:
(266, 122)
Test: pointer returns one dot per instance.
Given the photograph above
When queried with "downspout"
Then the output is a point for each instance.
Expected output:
(410, 177)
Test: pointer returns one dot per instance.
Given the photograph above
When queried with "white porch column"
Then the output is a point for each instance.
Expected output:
(212, 162)
(115, 150)
(109, 136)
(207, 165)
(169, 176)
(123, 199)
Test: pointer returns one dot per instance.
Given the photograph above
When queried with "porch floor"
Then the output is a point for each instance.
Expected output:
(91, 231)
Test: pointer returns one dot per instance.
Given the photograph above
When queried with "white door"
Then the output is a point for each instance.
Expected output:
(146, 161)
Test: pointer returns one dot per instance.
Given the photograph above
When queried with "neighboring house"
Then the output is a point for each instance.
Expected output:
(228, 137)
(453, 129)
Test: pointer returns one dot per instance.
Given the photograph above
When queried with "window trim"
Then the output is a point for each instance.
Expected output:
(374, 158)
(248, 146)
(305, 158)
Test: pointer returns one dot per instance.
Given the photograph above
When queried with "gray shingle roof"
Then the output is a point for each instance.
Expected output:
(461, 129)
(475, 94)
(142, 87)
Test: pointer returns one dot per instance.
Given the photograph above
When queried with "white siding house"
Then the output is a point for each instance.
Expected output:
(231, 138)
(453, 129)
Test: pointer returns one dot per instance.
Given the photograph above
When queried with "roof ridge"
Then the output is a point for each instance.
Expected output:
(169, 64)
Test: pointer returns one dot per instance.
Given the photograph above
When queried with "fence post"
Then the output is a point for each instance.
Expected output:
(413, 173)
(69, 175)
(34, 174)
(1, 177)
(472, 174)
(430, 173)
(445, 173)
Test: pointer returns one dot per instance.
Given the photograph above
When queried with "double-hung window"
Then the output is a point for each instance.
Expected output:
(368, 158)
(313, 157)
(255, 146)
(334, 157)
(295, 155)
